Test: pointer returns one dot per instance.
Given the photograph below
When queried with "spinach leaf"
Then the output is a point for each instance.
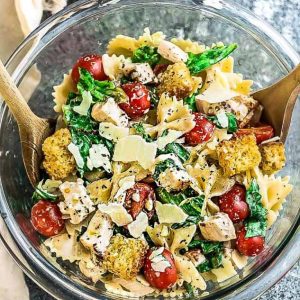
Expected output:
(206, 246)
(41, 193)
(256, 224)
(191, 102)
(100, 90)
(140, 130)
(163, 166)
(232, 122)
(146, 54)
(177, 149)
(199, 62)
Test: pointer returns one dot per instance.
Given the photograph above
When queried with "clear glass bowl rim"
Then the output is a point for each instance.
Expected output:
(248, 288)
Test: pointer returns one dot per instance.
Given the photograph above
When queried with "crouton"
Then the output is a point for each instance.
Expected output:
(99, 191)
(177, 81)
(272, 157)
(238, 155)
(110, 112)
(124, 256)
(58, 162)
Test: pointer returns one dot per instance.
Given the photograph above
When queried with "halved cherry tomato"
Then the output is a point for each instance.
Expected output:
(262, 133)
(249, 246)
(234, 204)
(202, 131)
(161, 279)
(139, 100)
(46, 218)
(93, 64)
(137, 197)
(160, 68)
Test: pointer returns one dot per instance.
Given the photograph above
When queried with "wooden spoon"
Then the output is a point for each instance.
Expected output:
(33, 130)
(279, 100)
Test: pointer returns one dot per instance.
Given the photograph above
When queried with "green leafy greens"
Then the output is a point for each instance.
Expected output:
(146, 54)
(213, 252)
(177, 149)
(191, 102)
(140, 130)
(199, 62)
(163, 166)
(41, 193)
(232, 122)
(256, 224)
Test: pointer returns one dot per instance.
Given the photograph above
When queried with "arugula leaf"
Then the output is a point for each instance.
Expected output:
(191, 102)
(100, 90)
(199, 62)
(140, 130)
(177, 149)
(163, 166)
(256, 224)
(146, 54)
(232, 122)
(41, 193)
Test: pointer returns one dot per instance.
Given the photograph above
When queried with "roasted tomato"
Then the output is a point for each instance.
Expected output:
(234, 204)
(249, 246)
(140, 197)
(46, 218)
(202, 131)
(139, 100)
(93, 64)
(262, 133)
(159, 268)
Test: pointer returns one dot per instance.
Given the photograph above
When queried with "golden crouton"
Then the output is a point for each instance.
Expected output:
(58, 161)
(238, 155)
(100, 190)
(177, 81)
(124, 256)
(272, 157)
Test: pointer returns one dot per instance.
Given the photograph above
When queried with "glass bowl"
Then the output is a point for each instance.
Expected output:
(86, 27)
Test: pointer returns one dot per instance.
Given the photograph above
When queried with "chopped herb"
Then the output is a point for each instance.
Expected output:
(146, 54)
(199, 62)
(256, 224)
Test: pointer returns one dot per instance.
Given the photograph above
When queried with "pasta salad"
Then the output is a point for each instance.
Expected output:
(160, 176)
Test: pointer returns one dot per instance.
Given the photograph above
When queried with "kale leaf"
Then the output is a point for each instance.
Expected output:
(146, 54)
(199, 62)
(177, 149)
(140, 130)
(256, 224)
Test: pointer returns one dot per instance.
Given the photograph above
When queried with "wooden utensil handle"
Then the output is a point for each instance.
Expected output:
(13, 98)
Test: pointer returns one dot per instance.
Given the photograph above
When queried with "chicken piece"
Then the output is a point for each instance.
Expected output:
(77, 205)
(195, 256)
(58, 162)
(100, 190)
(238, 155)
(272, 157)
(218, 228)
(125, 256)
(98, 234)
(110, 112)
(172, 52)
(177, 81)
(141, 72)
(173, 179)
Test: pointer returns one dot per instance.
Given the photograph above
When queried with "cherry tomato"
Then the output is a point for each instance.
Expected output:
(249, 246)
(137, 197)
(92, 63)
(234, 204)
(202, 131)
(262, 133)
(160, 68)
(139, 100)
(27, 229)
(46, 218)
(164, 279)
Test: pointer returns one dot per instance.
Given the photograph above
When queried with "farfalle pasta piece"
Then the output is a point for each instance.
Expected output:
(182, 237)
(274, 191)
(113, 65)
(62, 91)
(91, 268)
(225, 272)
(149, 39)
(188, 45)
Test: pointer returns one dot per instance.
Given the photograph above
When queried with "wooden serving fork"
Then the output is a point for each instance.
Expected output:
(32, 129)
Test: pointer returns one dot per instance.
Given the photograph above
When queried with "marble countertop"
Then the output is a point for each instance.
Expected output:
(284, 16)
